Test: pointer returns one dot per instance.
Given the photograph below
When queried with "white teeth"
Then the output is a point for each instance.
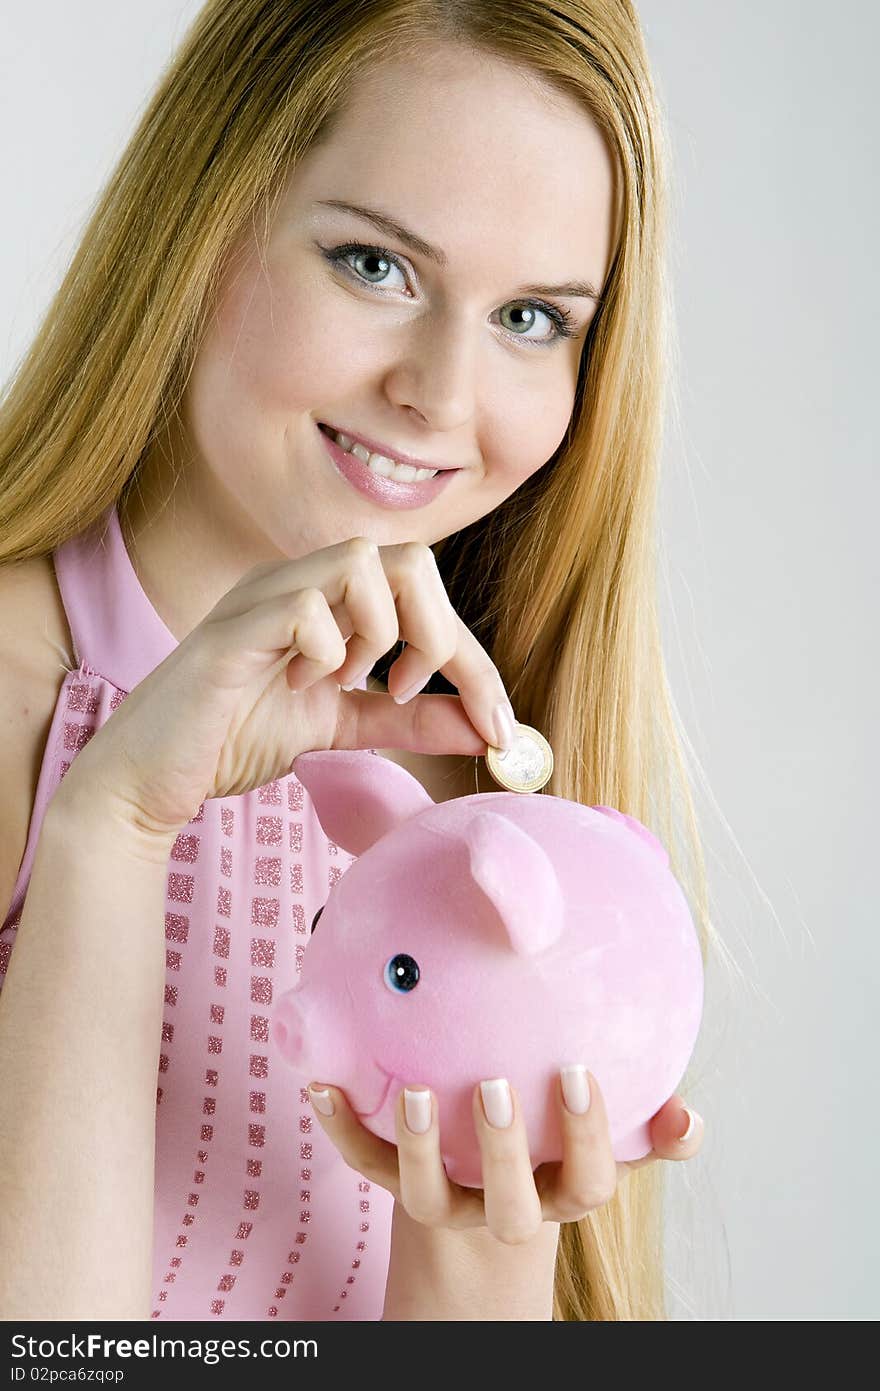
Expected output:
(385, 467)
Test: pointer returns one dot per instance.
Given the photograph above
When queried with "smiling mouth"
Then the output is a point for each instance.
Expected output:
(390, 1075)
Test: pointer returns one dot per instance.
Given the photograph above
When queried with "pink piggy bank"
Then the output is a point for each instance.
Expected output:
(498, 935)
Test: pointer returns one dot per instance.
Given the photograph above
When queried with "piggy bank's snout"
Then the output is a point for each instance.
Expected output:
(288, 1030)
(311, 1036)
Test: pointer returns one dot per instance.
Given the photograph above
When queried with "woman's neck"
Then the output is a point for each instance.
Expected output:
(173, 538)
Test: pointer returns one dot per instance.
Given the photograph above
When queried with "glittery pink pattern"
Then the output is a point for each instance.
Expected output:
(256, 1214)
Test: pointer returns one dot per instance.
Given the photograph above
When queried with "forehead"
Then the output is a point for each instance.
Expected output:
(479, 156)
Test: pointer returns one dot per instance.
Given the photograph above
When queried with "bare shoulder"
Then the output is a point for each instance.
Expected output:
(33, 629)
(32, 619)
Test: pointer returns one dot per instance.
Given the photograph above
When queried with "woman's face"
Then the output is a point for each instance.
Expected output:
(455, 363)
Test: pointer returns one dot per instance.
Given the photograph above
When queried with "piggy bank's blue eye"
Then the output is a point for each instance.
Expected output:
(402, 973)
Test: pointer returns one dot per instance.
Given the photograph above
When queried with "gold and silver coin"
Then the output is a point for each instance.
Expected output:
(526, 766)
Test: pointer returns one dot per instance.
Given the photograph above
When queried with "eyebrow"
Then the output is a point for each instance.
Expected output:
(573, 289)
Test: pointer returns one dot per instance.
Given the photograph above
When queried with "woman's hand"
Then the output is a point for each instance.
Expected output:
(262, 679)
(514, 1200)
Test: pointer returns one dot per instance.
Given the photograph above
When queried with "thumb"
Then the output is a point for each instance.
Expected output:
(435, 724)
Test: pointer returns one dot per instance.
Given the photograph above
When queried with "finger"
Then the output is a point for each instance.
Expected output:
(427, 618)
(361, 605)
(438, 640)
(435, 724)
(359, 610)
(366, 1153)
(674, 1135)
(510, 1198)
(425, 1188)
(676, 1130)
(376, 595)
(587, 1176)
(260, 638)
(481, 688)
(423, 615)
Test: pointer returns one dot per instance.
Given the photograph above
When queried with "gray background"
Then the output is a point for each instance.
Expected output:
(768, 564)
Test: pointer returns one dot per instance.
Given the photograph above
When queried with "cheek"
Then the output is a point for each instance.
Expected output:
(268, 348)
(300, 342)
(529, 427)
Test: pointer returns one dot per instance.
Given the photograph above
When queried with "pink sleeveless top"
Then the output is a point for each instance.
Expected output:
(257, 1216)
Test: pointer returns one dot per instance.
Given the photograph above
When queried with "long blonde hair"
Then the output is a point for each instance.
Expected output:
(559, 581)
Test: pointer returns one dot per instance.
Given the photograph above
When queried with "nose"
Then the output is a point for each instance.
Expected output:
(435, 375)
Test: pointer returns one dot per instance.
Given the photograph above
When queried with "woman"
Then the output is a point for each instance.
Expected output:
(416, 230)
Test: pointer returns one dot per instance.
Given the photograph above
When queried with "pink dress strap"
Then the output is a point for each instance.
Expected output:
(112, 622)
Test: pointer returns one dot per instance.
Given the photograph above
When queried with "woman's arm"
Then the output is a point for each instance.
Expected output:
(80, 1028)
(436, 1273)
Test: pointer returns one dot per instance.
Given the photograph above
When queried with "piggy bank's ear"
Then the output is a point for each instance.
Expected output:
(641, 831)
(519, 881)
(358, 795)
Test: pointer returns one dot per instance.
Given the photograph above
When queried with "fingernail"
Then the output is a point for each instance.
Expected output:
(497, 1102)
(356, 679)
(322, 1101)
(693, 1117)
(575, 1088)
(503, 722)
(417, 1109)
(411, 691)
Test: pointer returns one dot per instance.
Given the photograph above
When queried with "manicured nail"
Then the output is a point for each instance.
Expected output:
(417, 1110)
(575, 1088)
(503, 722)
(322, 1101)
(497, 1102)
(693, 1117)
(411, 691)
(355, 679)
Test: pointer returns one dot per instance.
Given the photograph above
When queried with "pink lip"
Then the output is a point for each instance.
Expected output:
(396, 454)
(390, 1075)
(385, 491)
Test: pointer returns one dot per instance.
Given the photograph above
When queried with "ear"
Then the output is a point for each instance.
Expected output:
(518, 879)
(638, 829)
(358, 795)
